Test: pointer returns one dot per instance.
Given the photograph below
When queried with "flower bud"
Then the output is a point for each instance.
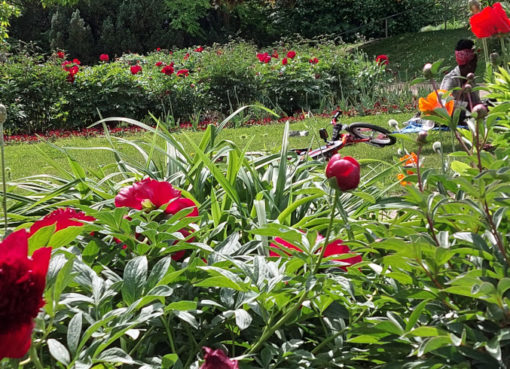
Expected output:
(480, 110)
(494, 58)
(343, 173)
(470, 77)
(3, 114)
(437, 147)
(427, 71)
(393, 123)
(422, 137)
(400, 152)
(467, 88)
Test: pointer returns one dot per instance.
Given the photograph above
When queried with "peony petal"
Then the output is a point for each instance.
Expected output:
(15, 246)
(183, 203)
(16, 342)
(41, 261)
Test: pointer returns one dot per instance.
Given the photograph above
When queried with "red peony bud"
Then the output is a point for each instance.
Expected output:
(343, 172)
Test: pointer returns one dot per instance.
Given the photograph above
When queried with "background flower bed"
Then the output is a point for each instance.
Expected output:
(40, 97)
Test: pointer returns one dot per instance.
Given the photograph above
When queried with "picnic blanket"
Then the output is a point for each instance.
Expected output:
(414, 125)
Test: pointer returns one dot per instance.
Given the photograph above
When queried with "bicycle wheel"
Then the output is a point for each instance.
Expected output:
(376, 135)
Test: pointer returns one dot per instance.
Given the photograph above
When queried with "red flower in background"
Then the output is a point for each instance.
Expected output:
(490, 21)
(186, 57)
(22, 282)
(264, 57)
(77, 61)
(344, 172)
(314, 61)
(183, 72)
(61, 55)
(152, 194)
(199, 49)
(135, 69)
(159, 64)
(275, 54)
(168, 70)
(217, 359)
(382, 59)
(104, 57)
(62, 218)
(158, 49)
(285, 61)
(333, 248)
(291, 54)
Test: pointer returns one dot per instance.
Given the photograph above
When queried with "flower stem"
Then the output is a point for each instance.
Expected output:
(169, 335)
(4, 186)
(328, 233)
(34, 357)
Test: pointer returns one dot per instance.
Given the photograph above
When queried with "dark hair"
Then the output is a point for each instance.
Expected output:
(464, 44)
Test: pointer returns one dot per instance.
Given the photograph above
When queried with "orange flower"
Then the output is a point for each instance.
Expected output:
(411, 160)
(431, 102)
(401, 177)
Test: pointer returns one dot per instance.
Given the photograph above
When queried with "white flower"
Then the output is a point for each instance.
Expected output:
(437, 147)
(393, 123)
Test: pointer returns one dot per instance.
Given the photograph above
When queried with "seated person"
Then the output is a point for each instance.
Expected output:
(466, 63)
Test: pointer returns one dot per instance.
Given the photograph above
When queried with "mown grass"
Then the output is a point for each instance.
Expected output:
(408, 53)
(30, 159)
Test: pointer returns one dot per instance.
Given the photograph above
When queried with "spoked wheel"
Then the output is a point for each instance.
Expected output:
(325, 152)
(375, 135)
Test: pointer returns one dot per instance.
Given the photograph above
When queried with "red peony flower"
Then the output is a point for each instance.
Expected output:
(104, 57)
(382, 59)
(22, 282)
(159, 64)
(62, 218)
(183, 72)
(186, 57)
(264, 57)
(168, 70)
(314, 61)
(158, 49)
(152, 194)
(135, 69)
(274, 54)
(217, 359)
(199, 49)
(61, 55)
(343, 172)
(291, 54)
(490, 21)
(285, 61)
(76, 61)
(333, 248)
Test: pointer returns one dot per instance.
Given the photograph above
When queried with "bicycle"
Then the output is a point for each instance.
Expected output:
(355, 133)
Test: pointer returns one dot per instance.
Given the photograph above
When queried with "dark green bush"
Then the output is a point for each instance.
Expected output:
(220, 79)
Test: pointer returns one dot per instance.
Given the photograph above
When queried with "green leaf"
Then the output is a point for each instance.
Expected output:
(433, 344)
(503, 286)
(169, 360)
(59, 351)
(220, 281)
(243, 319)
(74, 332)
(182, 306)
(65, 236)
(40, 238)
(115, 355)
(460, 167)
(158, 272)
(135, 275)
(415, 315)
(425, 331)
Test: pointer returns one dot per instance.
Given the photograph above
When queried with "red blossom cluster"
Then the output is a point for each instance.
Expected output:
(264, 57)
(104, 57)
(72, 68)
(135, 69)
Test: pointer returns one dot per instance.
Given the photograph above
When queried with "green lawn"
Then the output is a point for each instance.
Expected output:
(26, 159)
(408, 53)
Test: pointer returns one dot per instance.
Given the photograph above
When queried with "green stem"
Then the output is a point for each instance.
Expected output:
(4, 186)
(34, 357)
(347, 224)
(328, 233)
(169, 334)
(485, 50)
(503, 52)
